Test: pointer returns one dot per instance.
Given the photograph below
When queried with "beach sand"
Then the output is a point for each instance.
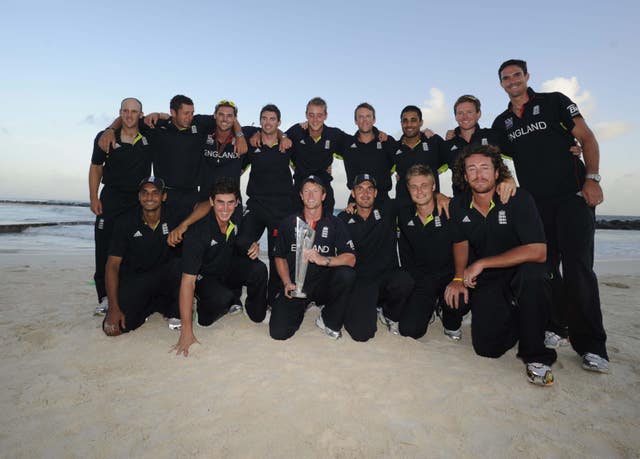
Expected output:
(69, 391)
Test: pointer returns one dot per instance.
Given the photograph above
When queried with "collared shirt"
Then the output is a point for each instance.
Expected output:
(374, 239)
(207, 250)
(540, 140)
(126, 164)
(270, 174)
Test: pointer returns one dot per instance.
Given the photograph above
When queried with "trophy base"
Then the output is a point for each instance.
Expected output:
(295, 294)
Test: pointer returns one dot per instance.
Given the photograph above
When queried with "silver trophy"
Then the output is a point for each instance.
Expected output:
(305, 236)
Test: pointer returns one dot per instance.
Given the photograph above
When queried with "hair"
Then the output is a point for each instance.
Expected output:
(270, 108)
(178, 101)
(490, 151)
(411, 108)
(520, 63)
(318, 101)
(366, 105)
(226, 103)
(225, 185)
(131, 98)
(467, 98)
(419, 169)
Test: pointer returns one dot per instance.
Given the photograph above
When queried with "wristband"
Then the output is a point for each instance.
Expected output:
(457, 279)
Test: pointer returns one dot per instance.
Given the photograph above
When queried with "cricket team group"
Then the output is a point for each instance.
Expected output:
(174, 235)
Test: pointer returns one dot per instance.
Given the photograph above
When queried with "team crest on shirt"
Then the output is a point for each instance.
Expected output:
(213, 242)
(502, 217)
(325, 232)
(194, 129)
(379, 145)
(145, 142)
(484, 141)
(508, 123)
(376, 214)
(425, 146)
(573, 110)
(437, 222)
(536, 109)
(327, 144)
(101, 223)
(210, 140)
(165, 229)
(137, 234)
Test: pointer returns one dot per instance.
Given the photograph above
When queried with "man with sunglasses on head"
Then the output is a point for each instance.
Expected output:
(142, 271)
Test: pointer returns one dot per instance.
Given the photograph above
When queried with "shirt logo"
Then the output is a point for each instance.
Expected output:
(209, 139)
(454, 148)
(213, 242)
(466, 219)
(101, 223)
(437, 222)
(194, 129)
(484, 141)
(246, 211)
(508, 123)
(258, 150)
(502, 217)
(351, 221)
(303, 142)
(165, 229)
(573, 110)
(399, 152)
(379, 145)
(353, 145)
(376, 214)
(137, 234)
(325, 232)
(145, 142)
(327, 144)
(425, 146)
(411, 223)
(536, 109)
(350, 244)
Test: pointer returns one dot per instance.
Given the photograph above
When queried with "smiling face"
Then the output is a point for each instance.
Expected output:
(421, 188)
(150, 197)
(466, 115)
(182, 117)
(480, 173)
(130, 113)
(269, 122)
(312, 195)
(365, 119)
(514, 81)
(365, 194)
(316, 116)
(225, 117)
(224, 204)
(411, 124)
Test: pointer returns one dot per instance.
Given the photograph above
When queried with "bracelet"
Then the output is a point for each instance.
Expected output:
(239, 134)
(457, 279)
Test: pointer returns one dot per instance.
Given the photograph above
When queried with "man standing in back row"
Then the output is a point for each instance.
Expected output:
(541, 128)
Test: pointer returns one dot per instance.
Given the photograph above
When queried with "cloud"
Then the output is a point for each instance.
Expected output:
(611, 129)
(436, 112)
(571, 88)
(4, 130)
(96, 120)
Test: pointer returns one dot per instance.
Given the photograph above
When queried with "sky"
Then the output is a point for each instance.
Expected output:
(66, 67)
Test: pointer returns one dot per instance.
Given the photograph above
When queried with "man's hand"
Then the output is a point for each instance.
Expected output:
(351, 208)
(452, 294)
(507, 189)
(254, 251)
(175, 237)
(107, 140)
(450, 134)
(151, 119)
(96, 206)
(592, 193)
(471, 274)
(241, 146)
(256, 140)
(443, 204)
(285, 144)
(576, 150)
(184, 343)
(382, 136)
(428, 133)
(114, 322)
(313, 256)
(288, 288)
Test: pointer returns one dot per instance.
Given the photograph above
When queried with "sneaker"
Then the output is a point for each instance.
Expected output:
(593, 362)
(330, 333)
(554, 341)
(453, 335)
(174, 323)
(235, 309)
(392, 326)
(267, 317)
(539, 374)
(102, 307)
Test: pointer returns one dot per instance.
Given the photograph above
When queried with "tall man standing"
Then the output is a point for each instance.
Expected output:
(541, 128)
(120, 168)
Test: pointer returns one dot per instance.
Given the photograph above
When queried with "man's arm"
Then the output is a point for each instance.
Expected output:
(591, 190)
(115, 320)
(282, 266)
(533, 253)
(457, 285)
(95, 175)
(108, 138)
(344, 259)
(187, 338)
(199, 212)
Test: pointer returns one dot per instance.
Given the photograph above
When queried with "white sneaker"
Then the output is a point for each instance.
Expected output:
(267, 317)
(553, 340)
(593, 362)
(392, 326)
(453, 335)
(235, 309)
(174, 323)
(539, 374)
(330, 333)
(102, 307)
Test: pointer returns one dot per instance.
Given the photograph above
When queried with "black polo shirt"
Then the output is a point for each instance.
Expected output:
(452, 148)
(313, 156)
(505, 227)
(374, 239)
(425, 248)
(427, 151)
(270, 174)
(208, 251)
(331, 239)
(178, 152)
(126, 164)
(540, 141)
(374, 158)
(142, 248)
(219, 160)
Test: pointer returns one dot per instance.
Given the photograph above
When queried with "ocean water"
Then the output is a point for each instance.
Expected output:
(610, 244)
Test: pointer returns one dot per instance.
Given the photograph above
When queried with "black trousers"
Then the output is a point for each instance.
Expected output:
(428, 290)
(331, 287)
(261, 214)
(511, 306)
(390, 291)
(215, 295)
(142, 294)
(569, 226)
(114, 203)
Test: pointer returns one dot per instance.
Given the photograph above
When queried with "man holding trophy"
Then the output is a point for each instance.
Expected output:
(314, 257)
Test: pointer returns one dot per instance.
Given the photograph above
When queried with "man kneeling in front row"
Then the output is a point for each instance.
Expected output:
(510, 296)
(212, 267)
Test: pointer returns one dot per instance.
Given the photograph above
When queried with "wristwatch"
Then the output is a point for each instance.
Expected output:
(328, 261)
(595, 177)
